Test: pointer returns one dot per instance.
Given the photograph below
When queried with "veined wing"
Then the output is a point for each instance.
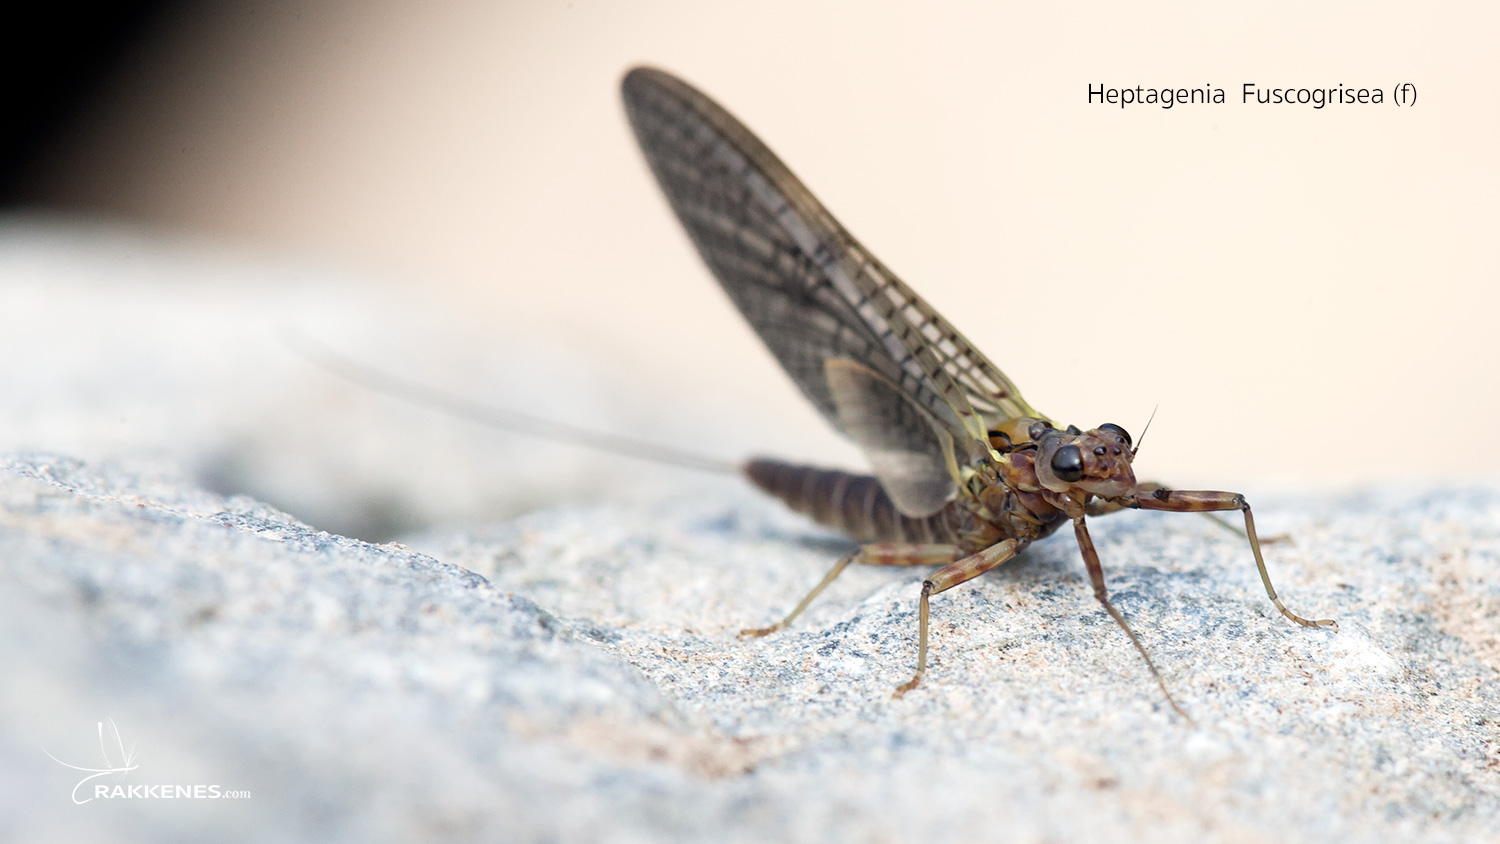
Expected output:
(809, 289)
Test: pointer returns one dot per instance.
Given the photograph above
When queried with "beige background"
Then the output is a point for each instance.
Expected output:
(1309, 295)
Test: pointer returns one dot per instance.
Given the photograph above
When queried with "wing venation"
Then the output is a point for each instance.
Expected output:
(909, 451)
(809, 289)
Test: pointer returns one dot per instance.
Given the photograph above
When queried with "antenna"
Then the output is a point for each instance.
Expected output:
(1143, 432)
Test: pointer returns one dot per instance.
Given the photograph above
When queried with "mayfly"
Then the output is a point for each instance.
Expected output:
(966, 473)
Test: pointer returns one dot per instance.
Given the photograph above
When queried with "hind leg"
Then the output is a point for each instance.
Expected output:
(878, 554)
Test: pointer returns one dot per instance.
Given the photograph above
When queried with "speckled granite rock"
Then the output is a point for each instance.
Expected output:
(574, 675)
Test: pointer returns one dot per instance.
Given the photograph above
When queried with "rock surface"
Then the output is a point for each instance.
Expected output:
(574, 675)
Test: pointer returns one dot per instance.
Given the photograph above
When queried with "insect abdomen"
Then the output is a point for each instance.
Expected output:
(854, 504)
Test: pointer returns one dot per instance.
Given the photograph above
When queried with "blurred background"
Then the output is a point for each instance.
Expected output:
(449, 191)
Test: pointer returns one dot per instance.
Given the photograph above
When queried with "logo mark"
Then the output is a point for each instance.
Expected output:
(124, 766)
(118, 760)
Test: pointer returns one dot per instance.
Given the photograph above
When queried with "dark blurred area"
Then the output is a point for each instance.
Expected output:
(57, 61)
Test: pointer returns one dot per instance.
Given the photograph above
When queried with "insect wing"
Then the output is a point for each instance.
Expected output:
(909, 451)
(809, 289)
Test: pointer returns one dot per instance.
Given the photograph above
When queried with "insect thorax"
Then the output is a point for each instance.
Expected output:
(1003, 500)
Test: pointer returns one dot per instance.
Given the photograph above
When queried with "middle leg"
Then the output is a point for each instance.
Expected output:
(948, 577)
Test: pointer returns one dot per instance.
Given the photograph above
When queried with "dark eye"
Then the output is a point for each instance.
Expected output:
(1067, 463)
(1116, 429)
(1038, 428)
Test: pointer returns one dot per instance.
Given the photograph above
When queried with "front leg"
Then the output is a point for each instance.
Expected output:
(1105, 506)
(1096, 577)
(1205, 501)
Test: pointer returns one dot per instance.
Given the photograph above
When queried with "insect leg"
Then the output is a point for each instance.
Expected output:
(1096, 576)
(1105, 506)
(1203, 501)
(879, 554)
(947, 577)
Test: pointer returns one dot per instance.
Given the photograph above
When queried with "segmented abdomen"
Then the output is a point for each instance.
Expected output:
(854, 504)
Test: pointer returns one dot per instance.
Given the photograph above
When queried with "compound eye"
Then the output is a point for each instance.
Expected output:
(1067, 464)
(1116, 429)
(1037, 429)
